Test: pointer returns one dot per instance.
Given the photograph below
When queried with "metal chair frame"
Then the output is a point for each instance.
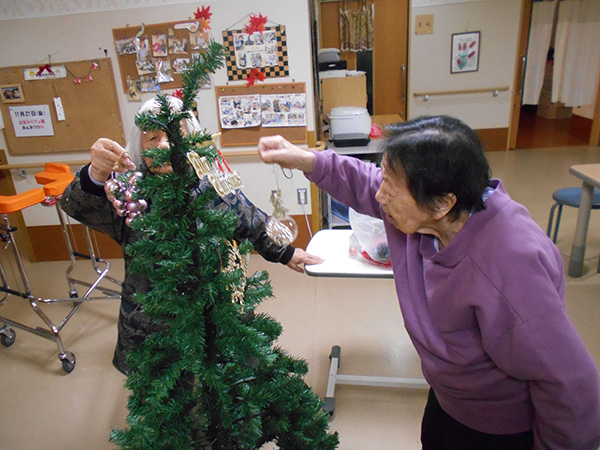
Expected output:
(52, 330)
(569, 197)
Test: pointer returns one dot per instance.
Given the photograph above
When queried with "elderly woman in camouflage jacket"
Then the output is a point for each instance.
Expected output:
(86, 201)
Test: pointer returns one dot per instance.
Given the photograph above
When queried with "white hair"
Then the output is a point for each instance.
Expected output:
(134, 143)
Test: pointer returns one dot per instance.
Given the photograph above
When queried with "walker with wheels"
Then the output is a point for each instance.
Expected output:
(55, 178)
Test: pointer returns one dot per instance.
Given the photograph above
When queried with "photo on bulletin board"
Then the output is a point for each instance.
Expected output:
(126, 46)
(266, 51)
(283, 110)
(239, 111)
(12, 93)
(465, 52)
(244, 104)
(153, 56)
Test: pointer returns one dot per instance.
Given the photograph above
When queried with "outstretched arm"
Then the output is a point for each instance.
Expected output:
(301, 258)
(277, 150)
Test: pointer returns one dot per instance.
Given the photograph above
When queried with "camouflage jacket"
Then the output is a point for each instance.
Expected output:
(86, 202)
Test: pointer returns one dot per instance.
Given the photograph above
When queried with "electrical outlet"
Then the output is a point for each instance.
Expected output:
(302, 196)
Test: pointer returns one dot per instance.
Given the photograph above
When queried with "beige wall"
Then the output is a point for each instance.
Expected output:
(429, 60)
(29, 41)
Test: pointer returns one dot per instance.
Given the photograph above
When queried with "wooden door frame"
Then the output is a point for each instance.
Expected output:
(519, 75)
(595, 133)
(518, 79)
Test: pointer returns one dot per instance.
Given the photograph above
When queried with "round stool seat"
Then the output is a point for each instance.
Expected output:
(572, 196)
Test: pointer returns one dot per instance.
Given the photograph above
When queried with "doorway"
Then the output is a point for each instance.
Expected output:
(386, 63)
(547, 124)
(536, 131)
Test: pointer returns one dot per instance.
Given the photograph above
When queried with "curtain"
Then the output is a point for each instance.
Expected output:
(577, 53)
(356, 27)
(540, 33)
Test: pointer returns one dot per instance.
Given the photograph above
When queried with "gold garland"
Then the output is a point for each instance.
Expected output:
(235, 261)
(223, 182)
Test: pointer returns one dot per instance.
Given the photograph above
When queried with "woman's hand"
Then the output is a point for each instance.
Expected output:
(277, 150)
(300, 258)
(108, 156)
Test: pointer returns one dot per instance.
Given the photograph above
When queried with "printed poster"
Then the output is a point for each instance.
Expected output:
(283, 110)
(31, 120)
(239, 111)
(256, 49)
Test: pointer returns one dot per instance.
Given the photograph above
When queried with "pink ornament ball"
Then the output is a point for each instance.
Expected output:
(130, 195)
(112, 187)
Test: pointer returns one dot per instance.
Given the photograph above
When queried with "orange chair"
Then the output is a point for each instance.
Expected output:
(55, 178)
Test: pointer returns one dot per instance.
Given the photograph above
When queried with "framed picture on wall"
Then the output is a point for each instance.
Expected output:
(12, 93)
(465, 52)
(266, 51)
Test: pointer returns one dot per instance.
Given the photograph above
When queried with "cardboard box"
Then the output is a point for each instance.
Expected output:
(554, 111)
(343, 91)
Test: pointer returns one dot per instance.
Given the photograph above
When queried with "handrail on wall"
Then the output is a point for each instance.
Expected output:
(494, 90)
(40, 164)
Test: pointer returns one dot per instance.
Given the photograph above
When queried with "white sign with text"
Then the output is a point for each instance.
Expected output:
(31, 120)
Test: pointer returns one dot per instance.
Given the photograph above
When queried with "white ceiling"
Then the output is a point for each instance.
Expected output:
(30, 9)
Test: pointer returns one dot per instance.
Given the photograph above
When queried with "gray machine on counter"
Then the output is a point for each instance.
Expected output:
(350, 126)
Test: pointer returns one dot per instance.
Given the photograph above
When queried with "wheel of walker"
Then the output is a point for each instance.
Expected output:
(74, 295)
(8, 337)
(68, 362)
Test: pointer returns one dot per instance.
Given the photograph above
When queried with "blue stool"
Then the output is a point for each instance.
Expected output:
(568, 197)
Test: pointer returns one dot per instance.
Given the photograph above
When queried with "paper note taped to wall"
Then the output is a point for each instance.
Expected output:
(31, 120)
(46, 72)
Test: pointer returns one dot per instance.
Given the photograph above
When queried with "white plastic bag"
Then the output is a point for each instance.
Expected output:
(368, 240)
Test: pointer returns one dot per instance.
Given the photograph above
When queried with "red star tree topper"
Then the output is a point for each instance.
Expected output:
(256, 24)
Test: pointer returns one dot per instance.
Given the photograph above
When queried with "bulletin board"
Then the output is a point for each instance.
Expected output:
(180, 44)
(234, 41)
(91, 107)
(249, 136)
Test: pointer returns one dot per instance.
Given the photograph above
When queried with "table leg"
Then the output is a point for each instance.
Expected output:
(336, 378)
(334, 365)
(583, 218)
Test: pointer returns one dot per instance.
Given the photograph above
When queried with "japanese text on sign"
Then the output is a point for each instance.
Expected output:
(31, 120)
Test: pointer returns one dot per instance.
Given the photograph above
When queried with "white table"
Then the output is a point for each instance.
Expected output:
(332, 246)
(590, 174)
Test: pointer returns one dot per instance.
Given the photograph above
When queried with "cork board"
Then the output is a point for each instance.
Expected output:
(91, 108)
(249, 136)
(169, 44)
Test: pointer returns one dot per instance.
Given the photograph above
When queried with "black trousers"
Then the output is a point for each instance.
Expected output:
(439, 431)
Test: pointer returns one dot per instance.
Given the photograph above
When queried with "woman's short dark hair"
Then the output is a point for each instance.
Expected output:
(439, 155)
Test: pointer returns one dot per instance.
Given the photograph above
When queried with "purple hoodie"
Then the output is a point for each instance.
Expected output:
(486, 315)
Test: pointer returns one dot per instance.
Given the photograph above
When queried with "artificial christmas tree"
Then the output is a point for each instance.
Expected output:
(212, 376)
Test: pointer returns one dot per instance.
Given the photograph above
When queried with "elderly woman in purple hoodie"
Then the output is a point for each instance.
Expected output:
(480, 286)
